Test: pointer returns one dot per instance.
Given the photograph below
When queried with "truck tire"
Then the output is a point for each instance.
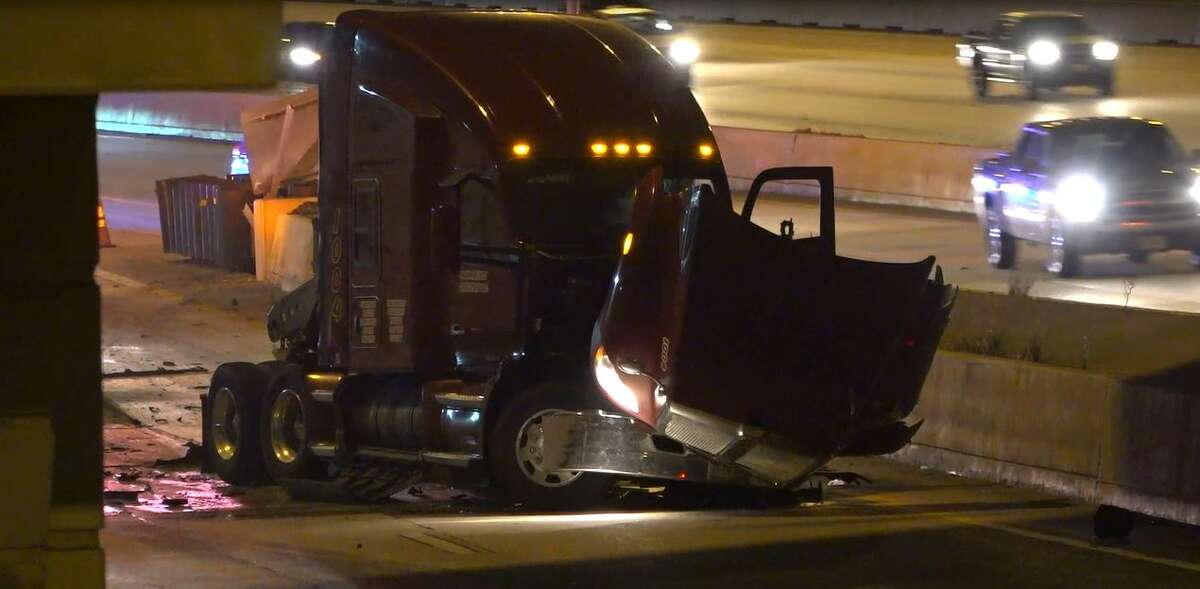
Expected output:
(979, 81)
(1001, 245)
(1033, 91)
(288, 413)
(514, 452)
(232, 425)
(1065, 260)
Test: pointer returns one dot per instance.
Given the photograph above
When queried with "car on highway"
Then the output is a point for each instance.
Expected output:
(1089, 185)
(1041, 51)
(667, 36)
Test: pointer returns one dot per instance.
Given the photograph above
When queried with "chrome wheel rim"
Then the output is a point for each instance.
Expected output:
(288, 437)
(530, 446)
(1058, 253)
(995, 237)
(225, 424)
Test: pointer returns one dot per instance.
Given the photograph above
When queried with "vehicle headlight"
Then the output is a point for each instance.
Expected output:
(663, 24)
(303, 56)
(983, 184)
(1044, 52)
(1105, 50)
(684, 51)
(1194, 191)
(613, 384)
(1080, 198)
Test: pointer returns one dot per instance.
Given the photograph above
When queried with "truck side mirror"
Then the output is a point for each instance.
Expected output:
(445, 230)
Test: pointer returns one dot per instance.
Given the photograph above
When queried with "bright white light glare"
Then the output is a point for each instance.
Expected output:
(984, 184)
(1105, 50)
(1080, 198)
(1014, 190)
(303, 56)
(663, 25)
(684, 51)
(610, 381)
(1194, 191)
(1044, 52)
(965, 51)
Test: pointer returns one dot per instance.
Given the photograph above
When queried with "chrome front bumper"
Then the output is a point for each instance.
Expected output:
(714, 450)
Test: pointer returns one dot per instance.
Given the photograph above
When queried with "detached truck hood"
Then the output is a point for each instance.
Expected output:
(770, 353)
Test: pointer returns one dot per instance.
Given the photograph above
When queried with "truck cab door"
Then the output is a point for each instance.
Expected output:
(394, 307)
(1021, 190)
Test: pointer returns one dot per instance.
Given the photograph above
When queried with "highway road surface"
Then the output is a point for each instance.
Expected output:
(909, 87)
(904, 527)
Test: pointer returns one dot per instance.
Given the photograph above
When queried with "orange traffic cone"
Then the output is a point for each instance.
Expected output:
(102, 226)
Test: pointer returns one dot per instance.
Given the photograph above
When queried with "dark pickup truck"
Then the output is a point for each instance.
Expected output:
(1091, 185)
(1040, 51)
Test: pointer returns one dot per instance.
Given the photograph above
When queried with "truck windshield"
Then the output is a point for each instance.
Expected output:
(1054, 27)
(579, 206)
(1141, 144)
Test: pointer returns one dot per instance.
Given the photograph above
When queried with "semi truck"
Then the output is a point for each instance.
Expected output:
(530, 272)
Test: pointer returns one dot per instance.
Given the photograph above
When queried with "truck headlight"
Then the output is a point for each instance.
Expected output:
(1080, 198)
(684, 51)
(613, 384)
(1044, 52)
(1105, 50)
(303, 56)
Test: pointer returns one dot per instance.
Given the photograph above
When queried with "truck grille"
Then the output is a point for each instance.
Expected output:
(1154, 205)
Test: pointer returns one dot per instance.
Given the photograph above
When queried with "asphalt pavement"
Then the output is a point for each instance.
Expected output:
(168, 525)
(909, 87)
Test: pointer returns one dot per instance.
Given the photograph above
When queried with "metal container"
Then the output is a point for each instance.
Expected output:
(201, 218)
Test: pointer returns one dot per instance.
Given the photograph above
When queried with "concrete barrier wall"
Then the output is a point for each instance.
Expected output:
(928, 175)
(1067, 431)
(199, 115)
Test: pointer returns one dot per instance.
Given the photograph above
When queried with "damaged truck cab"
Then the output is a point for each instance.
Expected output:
(529, 269)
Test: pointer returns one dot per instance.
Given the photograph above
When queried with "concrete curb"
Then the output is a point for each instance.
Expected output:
(1066, 431)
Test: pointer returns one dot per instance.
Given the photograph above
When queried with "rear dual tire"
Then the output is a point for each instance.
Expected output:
(233, 422)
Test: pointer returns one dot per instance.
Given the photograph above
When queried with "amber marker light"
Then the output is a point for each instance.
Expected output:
(628, 245)
(643, 149)
(621, 148)
(706, 150)
(521, 149)
(599, 148)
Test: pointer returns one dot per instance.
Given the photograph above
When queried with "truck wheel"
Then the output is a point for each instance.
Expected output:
(288, 414)
(1064, 261)
(515, 452)
(1112, 523)
(235, 401)
(1001, 245)
(979, 82)
(1032, 90)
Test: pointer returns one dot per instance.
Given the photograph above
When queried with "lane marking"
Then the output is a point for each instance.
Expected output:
(119, 279)
(1063, 540)
(1170, 562)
